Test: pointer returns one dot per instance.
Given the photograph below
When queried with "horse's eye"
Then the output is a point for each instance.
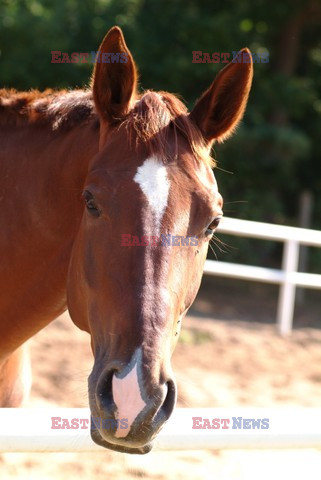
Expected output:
(213, 226)
(90, 204)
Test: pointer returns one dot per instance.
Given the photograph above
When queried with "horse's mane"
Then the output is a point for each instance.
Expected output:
(61, 109)
(155, 116)
(151, 120)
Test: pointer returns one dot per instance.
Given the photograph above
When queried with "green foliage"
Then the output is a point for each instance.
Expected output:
(276, 152)
(193, 336)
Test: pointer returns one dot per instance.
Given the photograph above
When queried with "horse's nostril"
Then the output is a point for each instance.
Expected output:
(170, 399)
(104, 391)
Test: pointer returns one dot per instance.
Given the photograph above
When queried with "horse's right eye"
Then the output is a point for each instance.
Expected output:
(90, 204)
(213, 225)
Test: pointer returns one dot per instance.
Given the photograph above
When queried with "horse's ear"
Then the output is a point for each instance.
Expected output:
(114, 77)
(220, 109)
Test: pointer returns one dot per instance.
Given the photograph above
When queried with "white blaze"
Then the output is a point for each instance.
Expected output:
(151, 176)
(128, 399)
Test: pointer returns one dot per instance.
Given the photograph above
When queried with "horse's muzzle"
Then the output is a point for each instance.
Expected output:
(128, 408)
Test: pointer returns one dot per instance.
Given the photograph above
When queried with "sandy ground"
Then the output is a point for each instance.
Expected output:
(217, 363)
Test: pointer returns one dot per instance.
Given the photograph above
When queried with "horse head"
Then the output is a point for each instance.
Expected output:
(151, 180)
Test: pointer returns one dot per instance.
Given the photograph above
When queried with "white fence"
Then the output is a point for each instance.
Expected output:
(288, 278)
(30, 430)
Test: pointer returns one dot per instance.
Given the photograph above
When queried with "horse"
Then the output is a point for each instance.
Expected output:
(80, 169)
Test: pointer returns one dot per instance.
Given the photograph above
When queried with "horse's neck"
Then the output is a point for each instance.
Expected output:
(42, 174)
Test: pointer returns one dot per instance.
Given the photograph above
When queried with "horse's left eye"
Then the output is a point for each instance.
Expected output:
(213, 226)
(90, 204)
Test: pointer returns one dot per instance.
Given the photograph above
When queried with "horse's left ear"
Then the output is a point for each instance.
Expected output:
(220, 109)
(114, 77)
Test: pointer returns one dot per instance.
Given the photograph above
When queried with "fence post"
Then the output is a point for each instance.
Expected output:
(286, 301)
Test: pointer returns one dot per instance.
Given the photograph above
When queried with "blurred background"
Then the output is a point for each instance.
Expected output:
(272, 167)
(229, 352)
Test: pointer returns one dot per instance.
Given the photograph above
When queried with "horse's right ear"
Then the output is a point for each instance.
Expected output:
(220, 109)
(114, 83)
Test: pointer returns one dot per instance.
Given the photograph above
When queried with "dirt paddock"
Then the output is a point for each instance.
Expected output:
(217, 364)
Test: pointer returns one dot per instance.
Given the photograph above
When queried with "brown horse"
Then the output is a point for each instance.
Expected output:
(78, 170)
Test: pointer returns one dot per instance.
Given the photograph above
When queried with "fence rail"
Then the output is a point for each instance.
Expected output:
(288, 277)
(30, 430)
